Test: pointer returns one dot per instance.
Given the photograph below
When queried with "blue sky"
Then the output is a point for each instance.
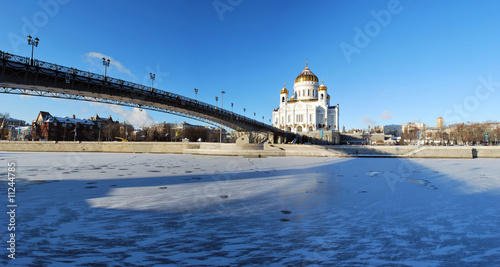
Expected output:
(384, 62)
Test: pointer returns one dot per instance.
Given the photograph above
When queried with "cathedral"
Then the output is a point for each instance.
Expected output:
(308, 110)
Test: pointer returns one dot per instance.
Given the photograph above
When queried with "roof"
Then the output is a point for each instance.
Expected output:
(71, 120)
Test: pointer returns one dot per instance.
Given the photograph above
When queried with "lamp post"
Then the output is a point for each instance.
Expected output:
(222, 99)
(254, 115)
(232, 107)
(33, 43)
(195, 94)
(216, 105)
(106, 65)
(262, 119)
(152, 76)
(244, 110)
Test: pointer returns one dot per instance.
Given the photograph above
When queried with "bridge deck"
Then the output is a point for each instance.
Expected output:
(20, 76)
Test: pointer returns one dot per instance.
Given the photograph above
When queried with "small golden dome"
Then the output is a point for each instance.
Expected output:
(328, 97)
(322, 87)
(306, 75)
(284, 90)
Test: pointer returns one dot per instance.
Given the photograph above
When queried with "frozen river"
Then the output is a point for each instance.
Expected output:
(182, 210)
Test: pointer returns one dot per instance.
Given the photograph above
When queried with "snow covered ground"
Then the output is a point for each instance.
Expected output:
(155, 209)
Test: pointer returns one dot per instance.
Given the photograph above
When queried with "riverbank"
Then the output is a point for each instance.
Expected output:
(255, 150)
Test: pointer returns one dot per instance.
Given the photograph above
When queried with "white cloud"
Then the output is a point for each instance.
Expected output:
(136, 116)
(96, 55)
(386, 115)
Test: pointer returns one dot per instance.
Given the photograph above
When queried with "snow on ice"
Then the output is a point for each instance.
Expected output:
(151, 209)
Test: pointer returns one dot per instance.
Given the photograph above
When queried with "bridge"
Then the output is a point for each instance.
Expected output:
(21, 75)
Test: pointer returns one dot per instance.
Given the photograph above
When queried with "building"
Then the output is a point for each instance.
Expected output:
(20, 133)
(394, 130)
(51, 128)
(440, 122)
(307, 111)
(10, 128)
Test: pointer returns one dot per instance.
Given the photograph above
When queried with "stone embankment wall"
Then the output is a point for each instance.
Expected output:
(256, 150)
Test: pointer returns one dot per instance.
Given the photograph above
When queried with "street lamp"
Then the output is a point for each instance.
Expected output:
(222, 99)
(152, 76)
(232, 107)
(262, 119)
(244, 110)
(106, 65)
(216, 105)
(33, 43)
(254, 115)
(196, 94)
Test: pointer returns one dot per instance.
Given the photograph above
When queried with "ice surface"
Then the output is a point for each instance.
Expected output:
(148, 209)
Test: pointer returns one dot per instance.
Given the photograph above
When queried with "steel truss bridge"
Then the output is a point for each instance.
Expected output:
(20, 75)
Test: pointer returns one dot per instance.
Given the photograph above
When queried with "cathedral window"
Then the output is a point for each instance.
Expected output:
(321, 96)
(283, 99)
(299, 118)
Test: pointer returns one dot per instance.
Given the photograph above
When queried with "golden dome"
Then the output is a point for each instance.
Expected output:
(328, 97)
(306, 75)
(322, 87)
(284, 90)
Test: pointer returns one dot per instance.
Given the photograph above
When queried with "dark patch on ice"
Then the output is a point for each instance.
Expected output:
(188, 171)
(66, 172)
(223, 196)
(160, 166)
(113, 185)
(153, 171)
(286, 212)
(423, 182)
(90, 187)
(340, 175)
(320, 182)
(285, 220)
(39, 182)
(373, 173)
(120, 175)
(363, 191)
(123, 169)
(162, 187)
(91, 183)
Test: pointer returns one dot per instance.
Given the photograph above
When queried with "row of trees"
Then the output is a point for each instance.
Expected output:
(457, 134)
(169, 132)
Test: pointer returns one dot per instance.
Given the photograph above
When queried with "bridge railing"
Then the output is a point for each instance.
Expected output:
(95, 76)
